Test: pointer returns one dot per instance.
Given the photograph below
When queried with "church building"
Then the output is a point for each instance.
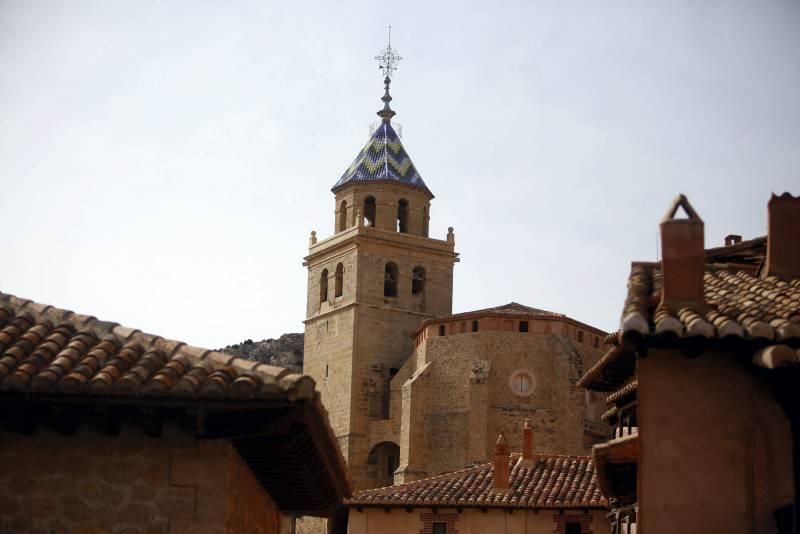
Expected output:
(412, 390)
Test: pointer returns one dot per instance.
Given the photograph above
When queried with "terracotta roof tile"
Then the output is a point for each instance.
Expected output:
(740, 305)
(510, 310)
(547, 481)
(46, 349)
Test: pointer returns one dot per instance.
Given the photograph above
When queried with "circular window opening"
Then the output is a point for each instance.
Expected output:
(522, 382)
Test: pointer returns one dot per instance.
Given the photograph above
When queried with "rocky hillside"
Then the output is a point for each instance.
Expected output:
(286, 351)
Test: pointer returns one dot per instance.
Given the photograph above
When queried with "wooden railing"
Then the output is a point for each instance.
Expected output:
(623, 520)
(626, 420)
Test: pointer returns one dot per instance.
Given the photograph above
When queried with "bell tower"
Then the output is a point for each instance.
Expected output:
(369, 285)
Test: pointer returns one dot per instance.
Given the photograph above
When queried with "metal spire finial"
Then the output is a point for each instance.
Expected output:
(387, 63)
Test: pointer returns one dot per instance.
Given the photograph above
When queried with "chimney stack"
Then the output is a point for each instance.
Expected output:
(783, 236)
(527, 440)
(732, 239)
(501, 478)
(682, 258)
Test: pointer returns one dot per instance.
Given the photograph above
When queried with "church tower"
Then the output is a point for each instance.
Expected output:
(369, 286)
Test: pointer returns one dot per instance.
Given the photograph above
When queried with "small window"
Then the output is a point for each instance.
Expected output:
(418, 281)
(596, 342)
(442, 331)
(573, 527)
(402, 216)
(523, 326)
(339, 282)
(439, 528)
(522, 382)
(390, 280)
(580, 336)
(323, 287)
(343, 216)
(369, 211)
(474, 326)
(425, 221)
(326, 370)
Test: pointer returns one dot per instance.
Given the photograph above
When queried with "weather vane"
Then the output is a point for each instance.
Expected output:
(388, 58)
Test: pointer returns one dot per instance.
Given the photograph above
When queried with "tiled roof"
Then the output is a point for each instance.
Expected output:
(547, 481)
(511, 310)
(611, 370)
(383, 159)
(740, 305)
(49, 350)
(51, 357)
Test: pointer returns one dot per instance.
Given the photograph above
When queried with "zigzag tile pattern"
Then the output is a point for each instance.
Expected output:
(547, 481)
(383, 159)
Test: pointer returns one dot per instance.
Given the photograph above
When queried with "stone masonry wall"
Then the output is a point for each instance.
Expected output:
(91, 483)
(472, 369)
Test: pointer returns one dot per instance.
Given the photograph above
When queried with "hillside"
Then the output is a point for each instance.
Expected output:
(286, 351)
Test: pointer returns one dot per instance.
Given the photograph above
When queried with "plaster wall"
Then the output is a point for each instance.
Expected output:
(694, 476)
(474, 521)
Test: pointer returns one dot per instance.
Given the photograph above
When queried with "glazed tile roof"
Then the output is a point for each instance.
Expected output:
(547, 481)
(49, 350)
(383, 159)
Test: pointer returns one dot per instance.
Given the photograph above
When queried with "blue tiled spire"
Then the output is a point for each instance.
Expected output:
(383, 159)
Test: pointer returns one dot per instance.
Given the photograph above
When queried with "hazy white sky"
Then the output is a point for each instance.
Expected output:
(162, 163)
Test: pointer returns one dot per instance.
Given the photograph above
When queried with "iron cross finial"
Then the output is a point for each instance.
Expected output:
(388, 58)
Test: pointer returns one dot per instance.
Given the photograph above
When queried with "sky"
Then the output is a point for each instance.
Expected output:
(162, 164)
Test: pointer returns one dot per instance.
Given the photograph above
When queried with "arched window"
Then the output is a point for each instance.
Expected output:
(343, 216)
(390, 280)
(402, 216)
(418, 281)
(383, 461)
(337, 288)
(323, 287)
(369, 211)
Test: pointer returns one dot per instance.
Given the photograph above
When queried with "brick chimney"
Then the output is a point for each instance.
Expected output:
(682, 257)
(783, 236)
(501, 478)
(527, 440)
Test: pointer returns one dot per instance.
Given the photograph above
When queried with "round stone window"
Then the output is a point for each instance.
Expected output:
(522, 382)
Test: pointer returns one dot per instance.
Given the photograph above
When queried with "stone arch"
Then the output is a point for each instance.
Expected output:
(402, 216)
(370, 211)
(343, 216)
(339, 281)
(390, 276)
(382, 461)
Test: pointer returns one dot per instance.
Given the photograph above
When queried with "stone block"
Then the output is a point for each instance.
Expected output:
(177, 503)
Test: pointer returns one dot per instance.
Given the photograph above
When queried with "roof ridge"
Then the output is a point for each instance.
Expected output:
(513, 458)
